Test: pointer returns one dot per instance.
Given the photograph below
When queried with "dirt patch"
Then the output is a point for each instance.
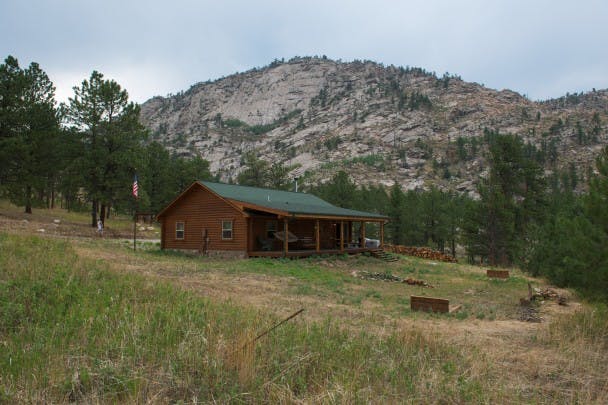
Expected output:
(55, 226)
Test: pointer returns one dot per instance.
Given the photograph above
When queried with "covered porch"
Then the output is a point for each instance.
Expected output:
(289, 236)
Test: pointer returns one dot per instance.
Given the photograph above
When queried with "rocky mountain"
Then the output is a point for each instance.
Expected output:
(380, 123)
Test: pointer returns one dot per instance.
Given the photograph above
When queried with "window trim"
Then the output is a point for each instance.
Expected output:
(183, 230)
(231, 222)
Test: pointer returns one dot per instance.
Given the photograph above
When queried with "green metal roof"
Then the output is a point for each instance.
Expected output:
(293, 203)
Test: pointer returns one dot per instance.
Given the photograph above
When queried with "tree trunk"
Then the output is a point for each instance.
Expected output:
(94, 213)
(102, 214)
(52, 197)
(28, 199)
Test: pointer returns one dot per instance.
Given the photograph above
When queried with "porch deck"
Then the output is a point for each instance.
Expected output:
(306, 252)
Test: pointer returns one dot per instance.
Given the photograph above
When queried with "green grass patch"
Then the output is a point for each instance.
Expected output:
(311, 271)
(325, 276)
(373, 160)
(264, 128)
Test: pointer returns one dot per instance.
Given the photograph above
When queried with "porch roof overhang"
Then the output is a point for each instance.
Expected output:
(352, 216)
(287, 203)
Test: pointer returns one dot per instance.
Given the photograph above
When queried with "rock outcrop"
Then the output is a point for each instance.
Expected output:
(380, 123)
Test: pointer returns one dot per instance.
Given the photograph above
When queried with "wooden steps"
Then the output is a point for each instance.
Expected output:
(382, 255)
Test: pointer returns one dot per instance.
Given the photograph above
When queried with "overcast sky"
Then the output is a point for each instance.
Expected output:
(542, 49)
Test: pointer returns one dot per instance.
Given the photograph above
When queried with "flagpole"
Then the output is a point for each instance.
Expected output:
(135, 192)
(135, 227)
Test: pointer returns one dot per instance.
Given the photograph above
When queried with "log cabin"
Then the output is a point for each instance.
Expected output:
(241, 221)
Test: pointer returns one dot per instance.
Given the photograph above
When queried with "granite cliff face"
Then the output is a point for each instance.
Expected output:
(381, 124)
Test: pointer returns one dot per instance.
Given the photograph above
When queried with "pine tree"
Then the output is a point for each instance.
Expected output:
(433, 212)
(278, 176)
(112, 138)
(12, 87)
(158, 177)
(255, 171)
(572, 245)
(342, 191)
(461, 150)
(29, 133)
(512, 200)
(396, 227)
(187, 171)
(596, 202)
(453, 215)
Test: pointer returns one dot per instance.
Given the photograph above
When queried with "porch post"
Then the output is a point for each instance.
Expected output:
(382, 234)
(349, 238)
(317, 236)
(249, 234)
(362, 235)
(285, 237)
(341, 236)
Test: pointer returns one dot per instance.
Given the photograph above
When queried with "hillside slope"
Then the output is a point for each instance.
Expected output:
(90, 320)
(381, 123)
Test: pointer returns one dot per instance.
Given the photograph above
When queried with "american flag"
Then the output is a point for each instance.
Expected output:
(135, 187)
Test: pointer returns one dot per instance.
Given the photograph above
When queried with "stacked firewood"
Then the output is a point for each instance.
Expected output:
(413, 281)
(422, 252)
(549, 294)
(528, 310)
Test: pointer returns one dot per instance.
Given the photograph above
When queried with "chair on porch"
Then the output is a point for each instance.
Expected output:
(307, 242)
(290, 236)
(265, 244)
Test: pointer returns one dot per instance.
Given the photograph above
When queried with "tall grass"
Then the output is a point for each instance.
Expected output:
(582, 339)
(72, 330)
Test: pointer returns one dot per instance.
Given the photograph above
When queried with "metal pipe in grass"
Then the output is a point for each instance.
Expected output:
(261, 335)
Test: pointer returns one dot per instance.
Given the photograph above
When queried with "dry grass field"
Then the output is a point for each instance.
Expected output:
(88, 319)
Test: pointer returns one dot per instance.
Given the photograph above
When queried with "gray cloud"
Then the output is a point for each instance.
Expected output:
(542, 48)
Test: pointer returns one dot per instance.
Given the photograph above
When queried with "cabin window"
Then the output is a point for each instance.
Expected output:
(226, 230)
(180, 229)
(271, 228)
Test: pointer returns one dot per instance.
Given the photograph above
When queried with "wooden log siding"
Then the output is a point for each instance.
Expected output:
(200, 210)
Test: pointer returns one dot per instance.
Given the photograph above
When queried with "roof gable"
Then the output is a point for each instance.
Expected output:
(196, 184)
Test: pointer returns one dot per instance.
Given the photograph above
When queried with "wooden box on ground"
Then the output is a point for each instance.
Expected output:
(503, 274)
(430, 304)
